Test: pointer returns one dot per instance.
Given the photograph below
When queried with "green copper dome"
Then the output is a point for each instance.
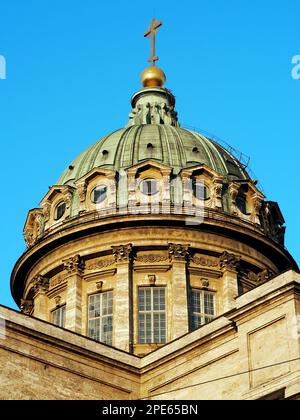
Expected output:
(170, 145)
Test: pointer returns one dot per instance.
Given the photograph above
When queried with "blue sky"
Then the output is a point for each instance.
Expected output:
(73, 65)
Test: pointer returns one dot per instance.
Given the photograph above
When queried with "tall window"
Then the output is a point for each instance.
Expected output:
(59, 316)
(203, 307)
(101, 317)
(152, 315)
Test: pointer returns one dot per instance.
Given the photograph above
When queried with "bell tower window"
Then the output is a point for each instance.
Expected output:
(100, 323)
(152, 315)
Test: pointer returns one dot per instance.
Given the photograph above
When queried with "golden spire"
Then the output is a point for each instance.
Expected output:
(153, 76)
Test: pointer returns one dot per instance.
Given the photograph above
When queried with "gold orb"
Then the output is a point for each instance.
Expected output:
(153, 77)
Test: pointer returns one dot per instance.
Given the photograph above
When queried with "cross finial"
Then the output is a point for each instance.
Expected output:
(151, 33)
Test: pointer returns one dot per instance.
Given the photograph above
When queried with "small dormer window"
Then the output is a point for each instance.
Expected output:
(99, 194)
(241, 203)
(200, 191)
(60, 210)
(149, 186)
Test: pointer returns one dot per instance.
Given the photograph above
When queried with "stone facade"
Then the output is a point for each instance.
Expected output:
(157, 243)
(251, 352)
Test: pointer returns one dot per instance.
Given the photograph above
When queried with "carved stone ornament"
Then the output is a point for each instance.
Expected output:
(229, 261)
(26, 306)
(152, 258)
(264, 276)
(179, 252)
(122, 253)
(259, 278)
(82, 188)
(40, 284)
(29, 237)
(205, 283)
(100, 264)
(233, 191)
(47, 211)
(57, 300)
(152, 279)
(99, 285)
(74, 265)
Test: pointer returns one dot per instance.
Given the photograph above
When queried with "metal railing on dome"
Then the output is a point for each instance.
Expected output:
(239, 156)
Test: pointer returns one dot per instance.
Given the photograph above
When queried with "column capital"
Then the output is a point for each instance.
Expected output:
(26, 306)
(40, 284)
(179, 252)
(74, 265)
(122, 253)
(229, 262)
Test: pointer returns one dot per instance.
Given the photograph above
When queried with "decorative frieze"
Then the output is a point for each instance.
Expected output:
(74, 265)
(26, 306)
(122, 253)
(179, 252)
(56, 281)
(152, 258)
(205, 261)
(229, 261)
(256, 278)
(100, 264)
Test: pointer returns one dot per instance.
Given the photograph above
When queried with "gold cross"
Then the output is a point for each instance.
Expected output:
(151, 33)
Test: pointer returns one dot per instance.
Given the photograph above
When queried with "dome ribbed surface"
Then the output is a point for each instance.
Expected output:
(173, 146)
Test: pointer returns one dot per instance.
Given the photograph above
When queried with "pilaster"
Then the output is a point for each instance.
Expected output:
(229, 264)
(122, 328)
(40, 288)
(74, 267)
(179, 255)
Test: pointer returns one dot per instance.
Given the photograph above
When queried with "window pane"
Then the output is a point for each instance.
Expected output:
(152, 318)
(209, 304)
(100, 317)
(99, 194)
(203, 307)
(58, 317)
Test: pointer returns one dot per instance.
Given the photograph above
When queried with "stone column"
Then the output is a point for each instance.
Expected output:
(122, 317)
(229, 264)
(74, 267)
(180, 320)
(40, 288)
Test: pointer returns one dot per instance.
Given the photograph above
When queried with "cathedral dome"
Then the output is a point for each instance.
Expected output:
(173, 146)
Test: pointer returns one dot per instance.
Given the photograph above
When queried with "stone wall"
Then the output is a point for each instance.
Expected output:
(251, 352)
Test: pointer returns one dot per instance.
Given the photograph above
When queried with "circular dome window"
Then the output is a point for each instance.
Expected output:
(60, 210)
(99, 194)
(149, 186)
(201, 191)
